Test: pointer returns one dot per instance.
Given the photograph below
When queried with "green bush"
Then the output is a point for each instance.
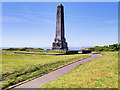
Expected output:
(25, 48)
(111, 49)
(40, 48)
(114, 47)
(12, 49)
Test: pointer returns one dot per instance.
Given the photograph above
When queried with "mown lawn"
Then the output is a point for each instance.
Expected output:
(17, 68)
(99, 73)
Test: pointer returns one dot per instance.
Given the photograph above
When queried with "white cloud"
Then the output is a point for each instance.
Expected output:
(26, 19)
(86, 17)
(9, 19)
(15, 16)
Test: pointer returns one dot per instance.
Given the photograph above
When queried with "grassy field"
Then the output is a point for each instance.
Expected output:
(17, 68)
(41, 52)
(99, 73)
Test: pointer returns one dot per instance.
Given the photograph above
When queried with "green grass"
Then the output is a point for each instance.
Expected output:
(99, 73)
(41, 52)
(18, 67)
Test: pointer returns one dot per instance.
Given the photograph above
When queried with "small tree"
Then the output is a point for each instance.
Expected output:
(40, 48)
(25, 48)
(11, 49)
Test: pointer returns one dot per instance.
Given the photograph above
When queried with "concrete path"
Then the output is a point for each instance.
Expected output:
(37, 83)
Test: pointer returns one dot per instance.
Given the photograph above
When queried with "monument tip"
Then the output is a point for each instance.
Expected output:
(60, 5)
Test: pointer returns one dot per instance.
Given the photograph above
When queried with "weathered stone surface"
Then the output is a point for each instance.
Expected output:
(60, 41)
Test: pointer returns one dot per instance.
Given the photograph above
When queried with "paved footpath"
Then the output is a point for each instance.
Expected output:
(40, 81)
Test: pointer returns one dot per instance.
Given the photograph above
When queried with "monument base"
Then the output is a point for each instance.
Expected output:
(59, 46)
(72, 52)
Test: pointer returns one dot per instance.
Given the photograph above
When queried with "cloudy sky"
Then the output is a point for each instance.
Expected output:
(34, 24)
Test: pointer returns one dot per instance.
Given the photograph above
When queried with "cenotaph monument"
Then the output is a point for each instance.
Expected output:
(60, 43)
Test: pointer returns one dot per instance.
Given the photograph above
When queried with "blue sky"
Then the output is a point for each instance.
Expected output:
(34, 24)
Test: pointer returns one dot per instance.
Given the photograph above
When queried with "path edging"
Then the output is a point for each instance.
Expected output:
(13, 86)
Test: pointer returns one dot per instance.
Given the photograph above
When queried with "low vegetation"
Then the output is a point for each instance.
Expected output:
(41, 52)
(22, 49)
(99, 73)
(114, 47)
(17, 68)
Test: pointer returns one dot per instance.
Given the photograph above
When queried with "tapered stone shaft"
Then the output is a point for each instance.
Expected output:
(59, 41)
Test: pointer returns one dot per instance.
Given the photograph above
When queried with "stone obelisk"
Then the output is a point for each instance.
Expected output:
(59, 43)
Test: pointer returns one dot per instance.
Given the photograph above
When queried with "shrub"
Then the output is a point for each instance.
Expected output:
(25, 48)
(114, 47)
(111, 49)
